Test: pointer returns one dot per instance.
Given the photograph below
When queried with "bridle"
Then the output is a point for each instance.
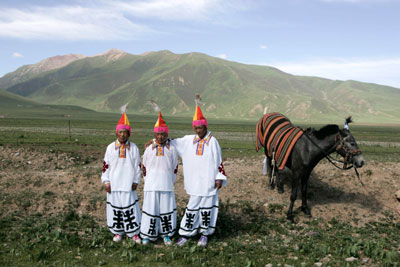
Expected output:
(348, 154)
(340, 149)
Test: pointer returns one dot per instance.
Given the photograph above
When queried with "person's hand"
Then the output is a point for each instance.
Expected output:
(148, 143)
(107, 187)
(218, 184)
(134, 186)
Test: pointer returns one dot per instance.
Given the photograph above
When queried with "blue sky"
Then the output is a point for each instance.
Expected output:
(335, 39)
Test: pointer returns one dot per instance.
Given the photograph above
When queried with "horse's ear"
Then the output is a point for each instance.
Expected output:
(345, 132)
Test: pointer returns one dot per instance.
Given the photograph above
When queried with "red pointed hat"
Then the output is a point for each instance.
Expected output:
(198, 118)
(123, 123)
(160, 126)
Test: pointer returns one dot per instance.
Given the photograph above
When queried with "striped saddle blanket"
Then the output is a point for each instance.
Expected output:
(276, 134)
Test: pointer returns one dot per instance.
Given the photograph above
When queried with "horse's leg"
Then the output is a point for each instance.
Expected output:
(293, 196)
(304, 187)
(279, 183)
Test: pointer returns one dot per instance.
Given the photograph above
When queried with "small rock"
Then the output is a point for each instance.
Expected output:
(326, 259)
(365, 260)
(29, 162)
(318, 264)
(350, 259)
(16, 154)
(287, 265)
(268, 265)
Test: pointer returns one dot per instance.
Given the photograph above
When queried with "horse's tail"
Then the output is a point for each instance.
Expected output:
(260, 134)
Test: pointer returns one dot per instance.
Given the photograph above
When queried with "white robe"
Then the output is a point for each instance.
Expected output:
(158, 214)
(123, 213)
(200, 215)
(122, 209)
(160, 170)
(200, 171)
(121, 172)
(159, 206)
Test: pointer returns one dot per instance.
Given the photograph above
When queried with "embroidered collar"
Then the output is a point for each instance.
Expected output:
(206, 138)
(155, 144)
(118, 144)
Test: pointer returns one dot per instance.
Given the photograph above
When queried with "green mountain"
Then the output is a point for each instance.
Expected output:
(26, 72)
(228, 89)
(15, 106)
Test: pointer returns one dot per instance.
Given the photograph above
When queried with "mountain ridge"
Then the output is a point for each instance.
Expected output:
(228, 89)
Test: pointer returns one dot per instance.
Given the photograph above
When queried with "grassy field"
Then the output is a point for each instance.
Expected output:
(245, 236)
(237, 138)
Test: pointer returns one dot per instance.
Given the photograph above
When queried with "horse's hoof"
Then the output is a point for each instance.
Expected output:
(290, 218)
(306, 211)
(280, 190)
(271, 186)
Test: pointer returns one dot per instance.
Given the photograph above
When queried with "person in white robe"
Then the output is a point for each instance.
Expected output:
(121, 175)
(160, 165)
(204, 174)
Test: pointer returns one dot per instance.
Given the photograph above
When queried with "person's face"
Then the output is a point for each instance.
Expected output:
(201, 130)
(161, 137)
(122, 135)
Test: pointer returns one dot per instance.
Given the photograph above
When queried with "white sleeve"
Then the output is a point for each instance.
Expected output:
(106, 168)
(179, 144)
(217, 155)
(145, 160)
(136, 165)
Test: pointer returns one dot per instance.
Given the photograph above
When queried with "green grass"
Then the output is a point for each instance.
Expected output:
(245, 237)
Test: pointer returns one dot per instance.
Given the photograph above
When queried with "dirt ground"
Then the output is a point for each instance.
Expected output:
(51, 182)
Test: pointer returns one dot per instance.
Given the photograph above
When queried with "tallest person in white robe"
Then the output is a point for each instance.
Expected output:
(204, 175)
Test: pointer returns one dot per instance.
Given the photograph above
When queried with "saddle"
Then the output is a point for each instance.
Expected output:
(277, 135)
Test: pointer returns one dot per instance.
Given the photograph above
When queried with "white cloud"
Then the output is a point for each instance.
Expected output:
(263, 46)
(67, 23)
(169, 10)
(100, 20)
(223, 56)
(380, 71)
(16, 54)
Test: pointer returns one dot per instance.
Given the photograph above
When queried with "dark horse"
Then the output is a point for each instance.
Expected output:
(309, 149)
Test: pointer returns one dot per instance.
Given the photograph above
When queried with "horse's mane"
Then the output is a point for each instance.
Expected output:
(324, 131)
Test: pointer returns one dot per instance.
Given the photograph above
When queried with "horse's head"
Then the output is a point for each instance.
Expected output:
(348, 147)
